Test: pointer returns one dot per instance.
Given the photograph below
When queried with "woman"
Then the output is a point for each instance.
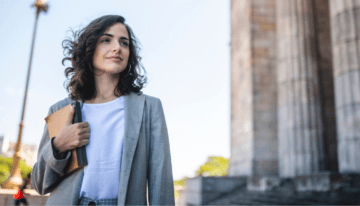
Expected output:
(125, 133)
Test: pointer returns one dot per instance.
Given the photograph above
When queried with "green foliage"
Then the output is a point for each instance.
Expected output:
(5, 167)
(215, 166)
(6, 161)
(4, 173)
(180, 182)
(25, 170)
(176, 193)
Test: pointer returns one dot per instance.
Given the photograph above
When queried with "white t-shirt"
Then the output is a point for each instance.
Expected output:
(104, 151)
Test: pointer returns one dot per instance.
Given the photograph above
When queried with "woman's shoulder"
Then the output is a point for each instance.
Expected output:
(149, 98)
(60, 104)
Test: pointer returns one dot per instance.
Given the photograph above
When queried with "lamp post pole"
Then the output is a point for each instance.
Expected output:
(15, 180)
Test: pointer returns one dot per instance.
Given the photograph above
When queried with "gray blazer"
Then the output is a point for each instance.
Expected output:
(146, 159)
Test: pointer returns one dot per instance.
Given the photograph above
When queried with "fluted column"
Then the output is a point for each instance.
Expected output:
(253, 89)
(345, 32)
(241, 90)
(301, 147)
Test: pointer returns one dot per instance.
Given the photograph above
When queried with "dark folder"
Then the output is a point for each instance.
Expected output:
(55, 123)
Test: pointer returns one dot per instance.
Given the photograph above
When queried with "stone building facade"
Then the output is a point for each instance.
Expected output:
(295, 87)
(295, 106)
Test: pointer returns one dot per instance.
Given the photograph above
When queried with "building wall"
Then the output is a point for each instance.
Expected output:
(4, 144)
(241, 90)
(310, 71)
(345, 33)
(253, 83)
(326, 79)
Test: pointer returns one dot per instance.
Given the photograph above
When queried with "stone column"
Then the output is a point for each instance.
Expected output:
(301, 148)
(345, 35)
(253, 89)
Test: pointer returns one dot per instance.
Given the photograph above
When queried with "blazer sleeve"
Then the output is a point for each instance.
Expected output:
(160, 177)
(48, 169)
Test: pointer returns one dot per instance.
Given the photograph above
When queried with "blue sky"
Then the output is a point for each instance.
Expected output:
(185, 51)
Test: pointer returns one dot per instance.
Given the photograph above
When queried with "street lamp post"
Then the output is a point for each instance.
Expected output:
(15, 180)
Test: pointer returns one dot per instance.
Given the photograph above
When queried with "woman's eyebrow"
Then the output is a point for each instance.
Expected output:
(110, 35)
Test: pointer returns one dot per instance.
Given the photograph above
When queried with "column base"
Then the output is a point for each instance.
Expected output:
(263, 184)
(328, 181)
(201, 190)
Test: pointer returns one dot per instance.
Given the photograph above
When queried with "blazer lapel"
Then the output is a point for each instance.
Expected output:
(134, 107)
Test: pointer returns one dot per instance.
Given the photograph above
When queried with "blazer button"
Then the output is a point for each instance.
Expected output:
(92, 203)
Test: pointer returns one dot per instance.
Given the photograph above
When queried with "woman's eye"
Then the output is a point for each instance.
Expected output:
(124, 43)
(105, 40)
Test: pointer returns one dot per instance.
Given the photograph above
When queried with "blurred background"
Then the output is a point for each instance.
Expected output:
(185, 51)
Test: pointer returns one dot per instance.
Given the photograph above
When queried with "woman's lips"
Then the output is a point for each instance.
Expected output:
(114, 58)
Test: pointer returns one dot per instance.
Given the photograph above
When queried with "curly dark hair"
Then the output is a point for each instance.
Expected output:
(80, 52)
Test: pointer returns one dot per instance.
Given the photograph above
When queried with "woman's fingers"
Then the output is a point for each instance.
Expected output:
(83, 124)
(87, 129)
(85, 142)
(86, 135)
(84, 130)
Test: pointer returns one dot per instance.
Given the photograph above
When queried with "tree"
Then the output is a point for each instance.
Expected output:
(180, 182)
(5, 167)
(215, 166)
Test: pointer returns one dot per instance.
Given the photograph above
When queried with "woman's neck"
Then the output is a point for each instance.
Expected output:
(105, 87)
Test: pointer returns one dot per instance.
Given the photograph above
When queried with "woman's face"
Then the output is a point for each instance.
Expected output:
(112, 50)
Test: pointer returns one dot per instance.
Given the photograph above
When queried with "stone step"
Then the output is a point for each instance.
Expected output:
(242, 197)
(263, 198)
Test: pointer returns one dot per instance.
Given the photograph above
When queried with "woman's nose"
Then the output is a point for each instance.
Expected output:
(117, 47)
